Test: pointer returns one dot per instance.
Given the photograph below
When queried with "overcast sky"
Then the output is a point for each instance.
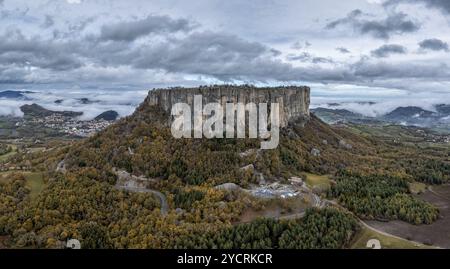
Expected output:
(358, 48)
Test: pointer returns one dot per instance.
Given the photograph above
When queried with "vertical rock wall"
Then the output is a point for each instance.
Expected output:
(294, 101)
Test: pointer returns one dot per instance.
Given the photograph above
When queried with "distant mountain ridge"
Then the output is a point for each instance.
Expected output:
(407, 115)
(87, 101)
(409, 112)
(14, 94)
(109, 115)
(443, 109)
(35, 110)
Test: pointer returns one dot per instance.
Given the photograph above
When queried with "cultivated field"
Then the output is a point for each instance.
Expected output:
(436, 234)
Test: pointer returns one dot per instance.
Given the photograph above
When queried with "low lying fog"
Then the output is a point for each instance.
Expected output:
(124, 102)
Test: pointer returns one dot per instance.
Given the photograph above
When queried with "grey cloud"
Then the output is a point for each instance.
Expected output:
(371, 71)
(317, 60)
(132, 30)
(275, 52)
(73, 29)
(48, 22)
(349, 19)
(212, 54)
(18, 50)
(78, 58)
(387, 50)
(13, 75)
(301, 45)
(434, 44)
(222, 56)
(394, 23)
(208, 53)
(303, 57)
(443, 5)
(308, 57)
(343, 50)
(81, 25)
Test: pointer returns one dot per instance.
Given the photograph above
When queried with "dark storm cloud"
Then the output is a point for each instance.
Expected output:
(434, 44)
(132, 30)
(387, 50)
(394, 23)
(343, 50)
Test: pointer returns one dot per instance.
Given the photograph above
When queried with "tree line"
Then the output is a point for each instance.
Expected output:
(319, 229)
(384, 197)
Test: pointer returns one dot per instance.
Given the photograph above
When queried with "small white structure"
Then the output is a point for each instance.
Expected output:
(373, 244)
(73, 244)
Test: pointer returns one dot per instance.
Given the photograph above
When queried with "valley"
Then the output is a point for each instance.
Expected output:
(40, 123)
(415, 118)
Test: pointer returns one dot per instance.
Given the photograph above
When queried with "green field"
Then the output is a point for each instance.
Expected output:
(387, 242)
(35, 181)
(417, 187)
(313, 180)
(7, 155)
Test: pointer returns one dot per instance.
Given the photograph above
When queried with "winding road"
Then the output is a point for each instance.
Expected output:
(123, 183)
(162, 197)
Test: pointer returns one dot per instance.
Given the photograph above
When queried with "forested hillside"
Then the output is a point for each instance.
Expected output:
(81, 198)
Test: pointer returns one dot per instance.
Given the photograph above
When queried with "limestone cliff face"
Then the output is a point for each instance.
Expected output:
(294, 101)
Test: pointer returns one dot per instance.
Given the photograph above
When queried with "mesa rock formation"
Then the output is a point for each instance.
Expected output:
(294, 101)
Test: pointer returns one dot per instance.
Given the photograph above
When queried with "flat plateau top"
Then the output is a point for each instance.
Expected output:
(230, 88)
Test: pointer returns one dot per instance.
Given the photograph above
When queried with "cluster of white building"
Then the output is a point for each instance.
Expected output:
(84, 128)
(70, 126)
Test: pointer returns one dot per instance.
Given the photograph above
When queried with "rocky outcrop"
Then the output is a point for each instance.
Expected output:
(228, 187)
(294, 101)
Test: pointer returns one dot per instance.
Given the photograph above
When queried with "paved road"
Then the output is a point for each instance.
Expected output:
(438, 194)
(162, 197)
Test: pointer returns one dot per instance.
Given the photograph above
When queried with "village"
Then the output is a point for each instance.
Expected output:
(69, 126)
